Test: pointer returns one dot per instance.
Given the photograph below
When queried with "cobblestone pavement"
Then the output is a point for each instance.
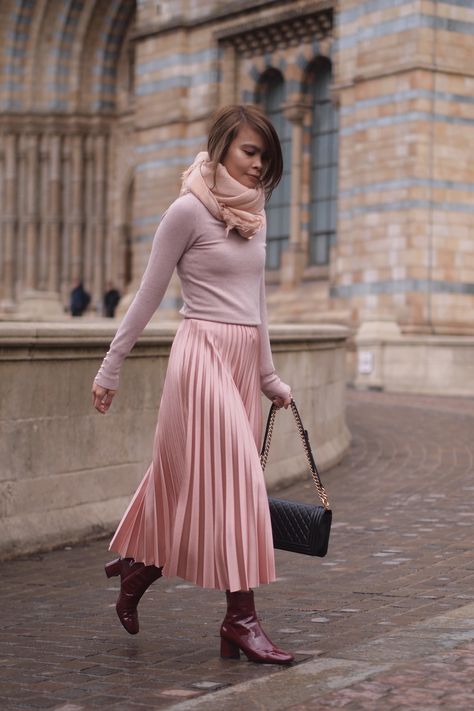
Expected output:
(384, 622)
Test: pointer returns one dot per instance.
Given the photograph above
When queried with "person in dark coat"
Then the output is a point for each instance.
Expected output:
(79, 299)
(111, 299)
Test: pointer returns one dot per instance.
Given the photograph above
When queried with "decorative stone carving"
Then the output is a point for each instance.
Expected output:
(291, 29)
(297, 111)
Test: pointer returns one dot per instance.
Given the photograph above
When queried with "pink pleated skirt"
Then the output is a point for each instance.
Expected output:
(201, 511)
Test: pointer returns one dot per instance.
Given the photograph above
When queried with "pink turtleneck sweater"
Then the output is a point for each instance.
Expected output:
(222, 279)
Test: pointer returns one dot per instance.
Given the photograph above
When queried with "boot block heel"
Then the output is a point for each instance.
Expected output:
(113, 568)
(229, 650)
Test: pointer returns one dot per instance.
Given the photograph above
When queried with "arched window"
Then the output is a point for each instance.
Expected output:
(324, 163)
(271, 96)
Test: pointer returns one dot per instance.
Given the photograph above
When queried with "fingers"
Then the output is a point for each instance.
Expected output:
(280, 402)
(102, 398)
(106, 401)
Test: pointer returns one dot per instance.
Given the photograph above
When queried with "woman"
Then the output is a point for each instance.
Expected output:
(201, 511)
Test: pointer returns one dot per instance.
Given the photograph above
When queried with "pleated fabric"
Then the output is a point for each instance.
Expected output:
(201, 511)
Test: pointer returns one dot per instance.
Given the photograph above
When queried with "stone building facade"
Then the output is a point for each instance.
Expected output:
(103, 104)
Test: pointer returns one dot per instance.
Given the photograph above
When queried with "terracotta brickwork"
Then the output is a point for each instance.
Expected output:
(405, 247)
(102, 106)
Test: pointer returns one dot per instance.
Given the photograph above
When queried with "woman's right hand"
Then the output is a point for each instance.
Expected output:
(280, 402)
(102, 398)
(276, 390)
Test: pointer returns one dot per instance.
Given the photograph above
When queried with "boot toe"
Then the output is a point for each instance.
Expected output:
(129, 620)
(272, 657)
(283, 658)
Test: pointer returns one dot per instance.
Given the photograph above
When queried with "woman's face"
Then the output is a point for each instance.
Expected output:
(244, 157)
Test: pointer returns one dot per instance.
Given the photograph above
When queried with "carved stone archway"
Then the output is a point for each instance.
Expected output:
(65, 137)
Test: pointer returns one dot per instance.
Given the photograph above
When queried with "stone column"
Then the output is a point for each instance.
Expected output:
(75, 194)
(88, 265)
(20, 210)
(99, 217)
(37, 302)
(43, 211)
(54, 216)
(9, 222)
(294, 257)
(65, 207)
(2, 212)
(31, 233)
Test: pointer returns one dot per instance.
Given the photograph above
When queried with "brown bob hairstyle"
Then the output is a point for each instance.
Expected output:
(224, 127)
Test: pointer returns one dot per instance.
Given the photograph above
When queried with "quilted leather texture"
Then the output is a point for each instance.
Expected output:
(300, 528)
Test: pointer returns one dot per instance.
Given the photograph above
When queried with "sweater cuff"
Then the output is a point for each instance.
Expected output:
(272, 387)
(105, 382)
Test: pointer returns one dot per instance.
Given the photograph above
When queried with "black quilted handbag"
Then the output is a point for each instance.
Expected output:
(298, 527)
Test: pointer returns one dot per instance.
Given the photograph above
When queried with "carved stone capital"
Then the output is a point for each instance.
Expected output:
(295, 111)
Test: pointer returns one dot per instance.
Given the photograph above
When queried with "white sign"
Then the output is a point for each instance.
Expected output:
(365, 362)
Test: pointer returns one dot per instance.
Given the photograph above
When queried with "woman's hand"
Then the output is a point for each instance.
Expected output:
(102, 398)
(279, 402)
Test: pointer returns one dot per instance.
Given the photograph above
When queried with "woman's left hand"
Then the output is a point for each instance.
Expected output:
(102, 398)
(279, 402)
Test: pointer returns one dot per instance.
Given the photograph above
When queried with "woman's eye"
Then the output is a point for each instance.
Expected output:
(249, 153)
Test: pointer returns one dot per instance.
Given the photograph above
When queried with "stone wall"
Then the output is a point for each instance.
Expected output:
(67, 472)
(388, 360)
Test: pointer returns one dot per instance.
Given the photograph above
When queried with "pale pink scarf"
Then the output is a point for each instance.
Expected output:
(225, 198)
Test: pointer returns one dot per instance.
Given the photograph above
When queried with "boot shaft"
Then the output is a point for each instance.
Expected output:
(240, 604)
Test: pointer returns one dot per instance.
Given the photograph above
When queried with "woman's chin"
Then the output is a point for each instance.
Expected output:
(250, 182)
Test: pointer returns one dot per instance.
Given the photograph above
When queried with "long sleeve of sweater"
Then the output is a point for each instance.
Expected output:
(172, 238)
(270, 383)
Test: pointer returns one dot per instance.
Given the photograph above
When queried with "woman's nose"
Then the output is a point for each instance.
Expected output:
(257, 162)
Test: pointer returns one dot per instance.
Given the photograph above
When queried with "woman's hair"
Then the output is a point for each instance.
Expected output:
(225, 125)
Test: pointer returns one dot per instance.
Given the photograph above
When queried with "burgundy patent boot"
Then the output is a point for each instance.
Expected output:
(241, 631)
(135, 578)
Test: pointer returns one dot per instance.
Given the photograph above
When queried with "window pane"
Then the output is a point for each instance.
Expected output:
(322, 144)
(272, 220)
(321, 84)
(322, 216)
(333, 215)
(335, 146)
(273, 94)
(323, 186)
(320, 249)
(273, 255)
(325, 116)
(324, 168)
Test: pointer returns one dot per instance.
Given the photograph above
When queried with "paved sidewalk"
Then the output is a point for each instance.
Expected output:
(384, 622)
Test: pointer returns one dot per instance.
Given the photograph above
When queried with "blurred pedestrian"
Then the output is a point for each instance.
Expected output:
(79, 299)
(201, 512)
(111, 300)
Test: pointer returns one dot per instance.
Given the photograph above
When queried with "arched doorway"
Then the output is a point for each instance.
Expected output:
(65, 137)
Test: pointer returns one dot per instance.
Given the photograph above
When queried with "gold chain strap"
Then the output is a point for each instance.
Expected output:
(304, 438)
